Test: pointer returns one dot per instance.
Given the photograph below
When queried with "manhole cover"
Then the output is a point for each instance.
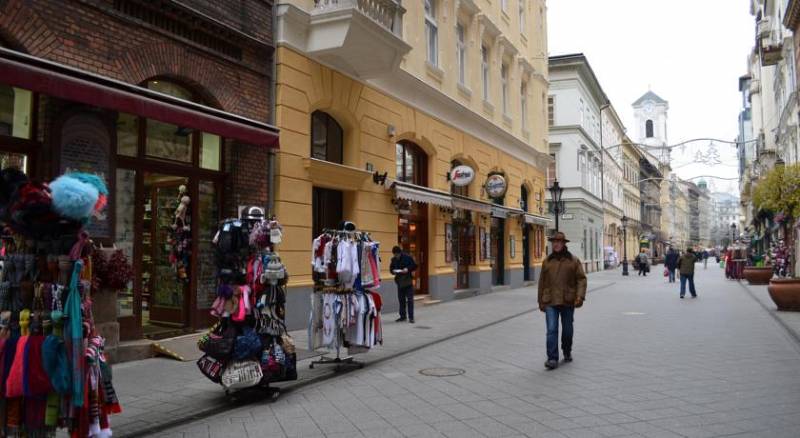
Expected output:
(423, 327)
(442, 372)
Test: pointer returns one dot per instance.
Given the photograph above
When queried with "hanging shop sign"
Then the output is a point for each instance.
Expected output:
(462, 175)
(496, 186)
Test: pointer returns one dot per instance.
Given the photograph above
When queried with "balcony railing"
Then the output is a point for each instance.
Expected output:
(387, 13)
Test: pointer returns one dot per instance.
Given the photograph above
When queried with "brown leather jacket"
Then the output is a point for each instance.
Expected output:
(562, 280)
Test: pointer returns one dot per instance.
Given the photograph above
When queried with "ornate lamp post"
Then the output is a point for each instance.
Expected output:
(733, 233)
(624, 221)
(556, 191)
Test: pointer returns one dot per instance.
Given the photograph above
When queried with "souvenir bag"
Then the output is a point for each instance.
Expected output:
(214, 330)
(211, 368)
(221, 346)
(242, 374)
(248, 345)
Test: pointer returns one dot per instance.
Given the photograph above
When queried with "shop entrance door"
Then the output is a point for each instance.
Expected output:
(164, 277)
(465, 250)
(412, 236)
(498, 251)
(526, 252)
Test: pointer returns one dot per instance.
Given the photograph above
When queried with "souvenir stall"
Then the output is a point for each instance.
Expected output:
(249, 346)
(735, 261)
(345, 310)
(53, 369)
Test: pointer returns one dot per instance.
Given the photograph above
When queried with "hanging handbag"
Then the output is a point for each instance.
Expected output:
(211, 368)
(242, 374)
(248, 345)
(221, 346)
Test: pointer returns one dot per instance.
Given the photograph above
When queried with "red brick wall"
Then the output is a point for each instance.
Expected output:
(90, 35)
(246, 184)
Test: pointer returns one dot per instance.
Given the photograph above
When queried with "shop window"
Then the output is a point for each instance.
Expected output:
(208, 207)
(127, 135)
(168, 141)
(326, 138)
(10, 159)
(411, 164)
(523, 198)
(15, 112)
(327, 208)
(124, 236)
(210, 151)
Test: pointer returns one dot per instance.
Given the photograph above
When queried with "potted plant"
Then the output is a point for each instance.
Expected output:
(779, 192)
(111, 272)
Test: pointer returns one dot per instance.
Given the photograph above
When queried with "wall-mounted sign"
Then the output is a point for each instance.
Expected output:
(462, 175)
(496, 186)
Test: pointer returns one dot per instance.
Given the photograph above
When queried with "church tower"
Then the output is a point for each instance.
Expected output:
(650, 113)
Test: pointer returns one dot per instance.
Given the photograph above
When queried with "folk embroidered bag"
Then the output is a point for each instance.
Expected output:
(210, 368)
(242, 374)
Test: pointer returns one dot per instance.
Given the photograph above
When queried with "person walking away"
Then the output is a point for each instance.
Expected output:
(686, 267)
(644, 262)
(402, 267)
(671, 262)
(562, 288)
(705, 259)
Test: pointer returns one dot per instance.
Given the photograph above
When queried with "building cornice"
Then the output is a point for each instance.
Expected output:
(792, 18)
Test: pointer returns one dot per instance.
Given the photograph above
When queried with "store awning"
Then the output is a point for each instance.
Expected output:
(422, 195)
(505, 212)
(469, 204)
(539, 220)
(58, 80)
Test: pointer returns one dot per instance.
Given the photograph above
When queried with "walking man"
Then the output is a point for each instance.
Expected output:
(671, 262)
(562, 288)
(705, 259)
(686, 266)
(402, 267)
(644, 263)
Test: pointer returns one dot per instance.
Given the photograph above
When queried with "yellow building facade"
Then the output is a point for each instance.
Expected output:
(376, 140)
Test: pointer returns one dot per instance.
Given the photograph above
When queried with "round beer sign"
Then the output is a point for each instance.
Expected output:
(496, 186)
(462, 175)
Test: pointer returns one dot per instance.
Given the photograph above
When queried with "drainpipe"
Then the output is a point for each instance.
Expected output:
(271, 179)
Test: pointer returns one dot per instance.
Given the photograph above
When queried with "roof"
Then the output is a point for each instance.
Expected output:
(649, 96)
(580, 60)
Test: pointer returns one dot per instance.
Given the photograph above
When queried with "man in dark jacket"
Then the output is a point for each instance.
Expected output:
(562, 288)
(686, 266)
(671, 262)
(402, 267)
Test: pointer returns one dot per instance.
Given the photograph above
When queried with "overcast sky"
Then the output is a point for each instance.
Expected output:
(689, 52)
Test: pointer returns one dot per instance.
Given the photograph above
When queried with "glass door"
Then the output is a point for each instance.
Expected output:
(412, 233)
(498, 251)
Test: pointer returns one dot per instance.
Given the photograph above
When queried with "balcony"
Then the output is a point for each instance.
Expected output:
(771, 49)
(363, 38)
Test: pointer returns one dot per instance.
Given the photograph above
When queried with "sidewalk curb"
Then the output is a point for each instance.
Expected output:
(254, 395)
(794, 335)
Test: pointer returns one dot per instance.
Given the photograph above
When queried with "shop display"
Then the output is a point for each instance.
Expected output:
(249, 345)
(53, 370)
(345, 309)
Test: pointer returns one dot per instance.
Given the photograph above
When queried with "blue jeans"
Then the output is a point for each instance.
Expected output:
(552, 313)
(671, 275)
(690, 278)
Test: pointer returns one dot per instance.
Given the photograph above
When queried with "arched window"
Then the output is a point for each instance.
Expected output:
(326, 138)
(523, 198)
(458, 190)
(411, 164)
(648, 128)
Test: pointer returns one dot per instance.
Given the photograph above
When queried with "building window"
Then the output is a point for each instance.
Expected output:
(164, 140)
(504, 86)
(523, 198)
(552, 171)
(485, 71)
(431, 32)
(15, 112)
(411, 164)
(648, 129)
(326, 138)
(551, 110)
(504, 5)
(461, 53)
(522, 16)
(523, 103)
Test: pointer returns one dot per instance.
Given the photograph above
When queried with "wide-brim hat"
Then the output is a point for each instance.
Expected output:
(558, 236)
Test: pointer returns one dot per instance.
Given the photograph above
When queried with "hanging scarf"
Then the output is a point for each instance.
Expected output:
(73, 335)
(16, 372)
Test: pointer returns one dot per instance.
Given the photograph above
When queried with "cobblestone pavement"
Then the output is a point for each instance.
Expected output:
(646, 364)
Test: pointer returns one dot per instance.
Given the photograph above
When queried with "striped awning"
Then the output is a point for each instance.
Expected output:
(423, 195)
(539, 220)
(469, 204)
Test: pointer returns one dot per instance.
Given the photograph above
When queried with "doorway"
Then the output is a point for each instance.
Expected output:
(464, 246)
(165, 271)
(526, 252)
(498, 251)
(327, 207)
(412, 236)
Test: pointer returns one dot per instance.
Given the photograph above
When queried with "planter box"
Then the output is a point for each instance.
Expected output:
(758, 275)
(785, 292)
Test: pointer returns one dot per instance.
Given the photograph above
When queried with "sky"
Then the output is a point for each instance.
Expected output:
(689, 52)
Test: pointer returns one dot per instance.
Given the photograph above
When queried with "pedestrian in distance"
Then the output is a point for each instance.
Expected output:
(686, 267)
(705, 259)
(644, 262)
(562, 288)
(671, 263)
(403, 267)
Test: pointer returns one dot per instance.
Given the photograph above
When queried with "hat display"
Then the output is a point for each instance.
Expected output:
(252, 213)
(558, 236)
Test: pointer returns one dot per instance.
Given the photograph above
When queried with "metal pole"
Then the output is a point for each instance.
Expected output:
(624, 250)
(557, 211)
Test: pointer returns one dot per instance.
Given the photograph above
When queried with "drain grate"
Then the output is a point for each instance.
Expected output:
(423, 327)
(442, 372)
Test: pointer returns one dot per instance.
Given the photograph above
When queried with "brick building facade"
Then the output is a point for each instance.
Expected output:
(168, 95)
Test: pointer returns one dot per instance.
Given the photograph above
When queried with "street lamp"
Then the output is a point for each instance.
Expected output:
(733, 232)
(624, 221)
(556, 191)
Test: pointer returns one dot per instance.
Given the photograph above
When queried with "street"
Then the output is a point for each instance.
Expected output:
(646, 364)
